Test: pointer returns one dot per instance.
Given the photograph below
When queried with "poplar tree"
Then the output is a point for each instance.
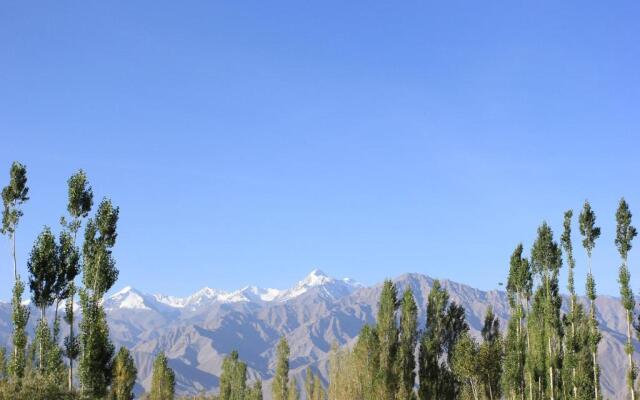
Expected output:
(364, 364)
(80, 201)
(163, 380)
(490, 356)
(466, 366)
(42, 265)
(625, 232)
(233, 378)
(14, 195)
(99, 275)
(590, 233)
(519, 285)
(445, 323)
(407, 346)
(387, 331)
(545, 321)
(281, 379)
(124, 376)
(572, 344)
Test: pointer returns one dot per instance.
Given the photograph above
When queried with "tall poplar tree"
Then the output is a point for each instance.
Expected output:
(590, 233)
(233, 378)
(280, 386)
(14, 195)
(445, 323)
(572, 344)
(545, 321)
(42, 265)
(124, 376)
(519, 285)
(625, 232)
(387, 330)
(99, 275)
(490, 356)
(79, 203)
(408, 338)
(163, 380)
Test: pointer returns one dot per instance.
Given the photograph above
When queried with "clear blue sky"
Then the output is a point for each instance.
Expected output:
(248, 142)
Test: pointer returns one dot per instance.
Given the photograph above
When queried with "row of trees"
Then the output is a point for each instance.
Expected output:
(543, 354)
(44, 368)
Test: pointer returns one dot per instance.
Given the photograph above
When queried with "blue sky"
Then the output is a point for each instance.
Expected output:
(249, 142)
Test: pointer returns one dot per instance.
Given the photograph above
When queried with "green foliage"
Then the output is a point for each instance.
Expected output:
(80, 196)
(100, 272)
(292, 391)
(233, 380)
(465, 366)
(163, 381)
(14, 195)
(20, 317)
(408, 339)
(545, 325)
(255, 393)
(124, 376)
(445, 323)
(625, 233)
(281, 379)
(97, 350)
(387, 331)
(3, 364)
(590, 233)
(588, 229)
(490, 356)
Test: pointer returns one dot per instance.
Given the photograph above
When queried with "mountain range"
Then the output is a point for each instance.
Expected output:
(198, 331)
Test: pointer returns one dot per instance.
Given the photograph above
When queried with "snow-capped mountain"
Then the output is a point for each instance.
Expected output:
(130, 298)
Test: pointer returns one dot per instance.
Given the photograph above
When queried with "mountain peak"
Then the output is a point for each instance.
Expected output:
(316, 278)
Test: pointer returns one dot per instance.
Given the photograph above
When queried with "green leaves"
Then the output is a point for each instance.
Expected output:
(233, 379)
(100, 272)
(387, 332)
(546, 258)
(13, 196)
(281, 379)
(163, 380)
(80, 195)
(625, 232)
(408, 339)
(588, 229)
(43, 267)
(124, 376)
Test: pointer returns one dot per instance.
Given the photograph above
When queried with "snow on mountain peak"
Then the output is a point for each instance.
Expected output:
(316, 278)
(129, 298)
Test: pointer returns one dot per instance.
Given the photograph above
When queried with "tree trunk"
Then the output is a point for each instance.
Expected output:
(630, 355)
